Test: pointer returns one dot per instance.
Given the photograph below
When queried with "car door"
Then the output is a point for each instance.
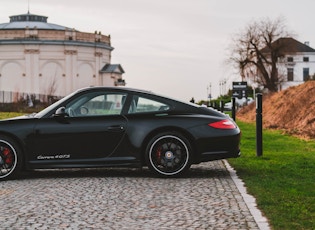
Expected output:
(92, 130)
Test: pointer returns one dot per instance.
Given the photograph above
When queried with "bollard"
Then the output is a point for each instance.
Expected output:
(221, 106)
(259, 136)
(233, 108)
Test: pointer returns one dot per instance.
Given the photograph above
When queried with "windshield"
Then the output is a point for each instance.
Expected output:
(53, 106)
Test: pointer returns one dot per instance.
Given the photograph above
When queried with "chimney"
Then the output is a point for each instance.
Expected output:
(307, 43)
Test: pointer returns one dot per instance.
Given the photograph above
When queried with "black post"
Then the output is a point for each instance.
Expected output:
(233, 108)
(221, 106)
(259, 145)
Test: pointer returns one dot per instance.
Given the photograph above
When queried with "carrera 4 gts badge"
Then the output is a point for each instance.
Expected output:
(52, 157)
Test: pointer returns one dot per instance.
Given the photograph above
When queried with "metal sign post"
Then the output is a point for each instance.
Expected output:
(259, 142)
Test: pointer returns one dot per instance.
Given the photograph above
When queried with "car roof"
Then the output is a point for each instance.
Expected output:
(133, 90)
(118, 88)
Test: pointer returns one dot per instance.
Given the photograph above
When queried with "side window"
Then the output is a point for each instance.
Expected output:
(96, 104)
(143, 105)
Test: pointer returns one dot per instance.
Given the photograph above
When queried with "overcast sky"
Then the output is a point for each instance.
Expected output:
(172, 47)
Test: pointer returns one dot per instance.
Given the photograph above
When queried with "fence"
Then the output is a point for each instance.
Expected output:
(28, 98)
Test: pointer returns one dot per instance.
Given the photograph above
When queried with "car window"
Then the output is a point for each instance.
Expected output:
(143, 105)
(96, 104)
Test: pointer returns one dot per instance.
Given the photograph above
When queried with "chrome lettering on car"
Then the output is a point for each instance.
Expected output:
(41, 157)
(65, 156)
(44, 157)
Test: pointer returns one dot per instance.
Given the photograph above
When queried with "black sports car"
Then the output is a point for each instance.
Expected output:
(106, 127)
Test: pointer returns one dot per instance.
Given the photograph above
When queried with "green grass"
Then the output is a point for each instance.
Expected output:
(282, 180)
(4, 115)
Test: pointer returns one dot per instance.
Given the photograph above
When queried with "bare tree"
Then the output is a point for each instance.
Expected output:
(51, 89)
(257, 50)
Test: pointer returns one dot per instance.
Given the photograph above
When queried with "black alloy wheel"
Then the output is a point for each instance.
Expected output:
(9, 158)
(168, 154)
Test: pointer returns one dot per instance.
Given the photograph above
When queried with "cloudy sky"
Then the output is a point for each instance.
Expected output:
(176, 48)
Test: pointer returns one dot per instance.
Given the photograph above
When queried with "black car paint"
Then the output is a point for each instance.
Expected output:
(50, 141)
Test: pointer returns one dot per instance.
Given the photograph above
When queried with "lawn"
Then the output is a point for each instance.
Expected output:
(282, 180)
(4, 115)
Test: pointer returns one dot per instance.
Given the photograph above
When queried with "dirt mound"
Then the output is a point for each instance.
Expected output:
(291, 110)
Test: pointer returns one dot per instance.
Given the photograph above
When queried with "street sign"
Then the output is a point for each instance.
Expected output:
(239, 89)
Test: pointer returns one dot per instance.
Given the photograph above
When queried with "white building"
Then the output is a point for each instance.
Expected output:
(41, 58)
(298, 63)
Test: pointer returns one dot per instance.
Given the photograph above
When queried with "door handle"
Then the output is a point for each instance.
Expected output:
(115, 128)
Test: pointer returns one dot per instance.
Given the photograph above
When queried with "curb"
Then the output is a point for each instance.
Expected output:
(249, 200)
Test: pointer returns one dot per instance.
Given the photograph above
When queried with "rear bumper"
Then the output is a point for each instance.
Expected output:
(210, 156)
(218, 148)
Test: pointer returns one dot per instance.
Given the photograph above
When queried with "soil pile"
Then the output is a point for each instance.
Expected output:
(291, 110)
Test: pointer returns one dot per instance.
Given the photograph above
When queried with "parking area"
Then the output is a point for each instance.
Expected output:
(115, 198)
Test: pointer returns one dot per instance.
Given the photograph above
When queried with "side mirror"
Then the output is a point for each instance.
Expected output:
(61, 112)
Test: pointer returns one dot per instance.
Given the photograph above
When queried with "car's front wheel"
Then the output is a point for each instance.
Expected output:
(168, 154)
(10, 161)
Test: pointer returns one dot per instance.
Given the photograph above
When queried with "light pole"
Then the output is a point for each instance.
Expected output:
(222, 87)
(209, 93)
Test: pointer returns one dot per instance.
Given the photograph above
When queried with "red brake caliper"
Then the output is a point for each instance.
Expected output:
(8, 157)
(158, 154)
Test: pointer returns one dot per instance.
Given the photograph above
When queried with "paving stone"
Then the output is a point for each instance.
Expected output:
(207, 198)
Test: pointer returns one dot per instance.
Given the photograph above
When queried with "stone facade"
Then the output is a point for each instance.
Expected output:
(40, 58)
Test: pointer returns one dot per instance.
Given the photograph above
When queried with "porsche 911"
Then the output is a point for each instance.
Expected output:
(117, 126)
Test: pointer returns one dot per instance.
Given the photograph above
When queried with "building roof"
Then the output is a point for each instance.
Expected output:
(31, 21)
(290, 45)
(112, 68)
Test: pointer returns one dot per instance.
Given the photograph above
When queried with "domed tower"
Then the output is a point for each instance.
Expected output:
(44, 59)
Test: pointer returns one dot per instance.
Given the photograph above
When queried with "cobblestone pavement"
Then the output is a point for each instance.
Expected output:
(124, 199)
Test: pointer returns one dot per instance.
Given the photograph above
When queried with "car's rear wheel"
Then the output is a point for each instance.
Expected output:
(10, 162)
(168, 154)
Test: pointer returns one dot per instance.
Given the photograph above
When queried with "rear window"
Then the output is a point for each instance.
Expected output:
(144, 105)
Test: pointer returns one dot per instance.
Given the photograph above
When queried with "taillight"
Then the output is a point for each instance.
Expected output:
(223, 124)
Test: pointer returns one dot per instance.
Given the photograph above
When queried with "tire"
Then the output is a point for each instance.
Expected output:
(168, 154)
(10, 158)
